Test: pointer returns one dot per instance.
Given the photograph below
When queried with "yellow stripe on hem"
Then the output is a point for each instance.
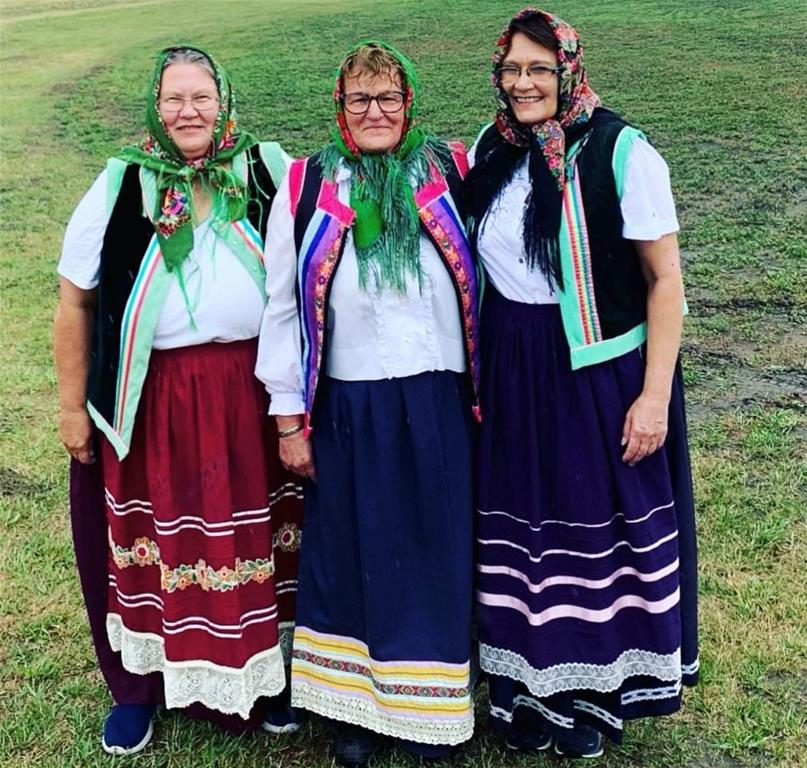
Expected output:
(422, 705)
(358, 651)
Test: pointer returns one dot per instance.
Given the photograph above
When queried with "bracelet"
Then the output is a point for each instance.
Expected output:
(290, 431)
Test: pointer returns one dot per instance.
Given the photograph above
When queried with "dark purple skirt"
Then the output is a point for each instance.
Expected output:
(586, 592)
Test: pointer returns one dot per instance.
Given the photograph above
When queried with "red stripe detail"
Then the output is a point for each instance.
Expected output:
(581, 299)
(128, 361)
(296, 177)
(460, 155)
(432, 189)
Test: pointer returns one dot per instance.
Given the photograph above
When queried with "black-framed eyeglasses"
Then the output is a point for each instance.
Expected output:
(537, 73)
(358, 103)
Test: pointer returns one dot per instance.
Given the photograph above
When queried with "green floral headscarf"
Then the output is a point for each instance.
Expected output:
(386, 230)
(173, 219)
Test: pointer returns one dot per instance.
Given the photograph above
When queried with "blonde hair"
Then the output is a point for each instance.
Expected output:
(372, 60)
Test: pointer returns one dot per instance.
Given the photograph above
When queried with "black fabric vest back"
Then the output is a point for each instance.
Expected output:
(620, 290)
(125, 242)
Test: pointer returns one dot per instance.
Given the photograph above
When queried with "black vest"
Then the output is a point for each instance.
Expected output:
(620, 290)
(125, 242)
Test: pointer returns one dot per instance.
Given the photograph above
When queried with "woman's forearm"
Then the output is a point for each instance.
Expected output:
(665, 298)
(665, 302)
(72, 340)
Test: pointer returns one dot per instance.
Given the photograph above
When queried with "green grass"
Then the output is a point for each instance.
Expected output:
(718, 87)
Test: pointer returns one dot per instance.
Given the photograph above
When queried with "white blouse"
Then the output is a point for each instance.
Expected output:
(648, 212)
(224, 299)
(371, 334)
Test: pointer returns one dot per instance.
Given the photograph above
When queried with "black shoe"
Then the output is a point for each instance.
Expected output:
(537, 741)
(527, 732)
(425, 751)
(582, 741)
(353, 747)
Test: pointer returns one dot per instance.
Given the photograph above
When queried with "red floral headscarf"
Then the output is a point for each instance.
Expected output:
(576, 100)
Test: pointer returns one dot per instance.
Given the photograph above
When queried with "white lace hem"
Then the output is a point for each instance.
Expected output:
(349, 709)
(573, 676)
(230, 690)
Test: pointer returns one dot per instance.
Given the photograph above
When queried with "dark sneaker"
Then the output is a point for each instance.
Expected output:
(353, 747)
(282, 718)
(538, 741)
(425, 751)
(582, 741)
(128, 728)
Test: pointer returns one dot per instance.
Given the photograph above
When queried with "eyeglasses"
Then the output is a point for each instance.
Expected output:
(358, 103)
(537, 73)
(201, 103)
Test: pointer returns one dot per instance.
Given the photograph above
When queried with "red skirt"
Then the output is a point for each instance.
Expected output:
(203, 532)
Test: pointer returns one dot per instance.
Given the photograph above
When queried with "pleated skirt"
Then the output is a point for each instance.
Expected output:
(204, 533)
(585, 567)
(385, 586)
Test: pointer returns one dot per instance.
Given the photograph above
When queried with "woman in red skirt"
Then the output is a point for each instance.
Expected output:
(185, 523)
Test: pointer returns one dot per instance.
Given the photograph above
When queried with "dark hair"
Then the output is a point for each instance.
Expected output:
(537, 29)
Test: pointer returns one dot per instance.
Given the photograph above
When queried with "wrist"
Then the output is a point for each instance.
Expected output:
(287, 422)
(71, 409)
(657, 394)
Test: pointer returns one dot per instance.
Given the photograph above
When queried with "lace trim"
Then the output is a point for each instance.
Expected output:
(349, 709)
(226, 689)
(651, 694)
(553, 717)
(691, 669)
(603, 714)
(577, 676)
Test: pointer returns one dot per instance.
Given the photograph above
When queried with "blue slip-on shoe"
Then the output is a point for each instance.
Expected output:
(128, 728)
(583, 741)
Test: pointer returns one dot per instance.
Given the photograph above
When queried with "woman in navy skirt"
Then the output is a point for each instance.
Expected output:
(369, 351)
(586, 543)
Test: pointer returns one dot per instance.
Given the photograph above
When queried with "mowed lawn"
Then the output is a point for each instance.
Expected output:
(718, 86)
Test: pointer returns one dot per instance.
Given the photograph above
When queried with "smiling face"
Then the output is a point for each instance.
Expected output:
(374, 131)
(190, 127)
(532, 102)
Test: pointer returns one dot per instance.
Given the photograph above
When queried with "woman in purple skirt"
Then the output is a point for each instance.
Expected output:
(586, 585)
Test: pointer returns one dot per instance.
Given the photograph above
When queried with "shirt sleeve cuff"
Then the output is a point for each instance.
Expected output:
(651, 232)
(286, 404)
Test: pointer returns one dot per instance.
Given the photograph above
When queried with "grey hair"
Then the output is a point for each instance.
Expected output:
(189, 56)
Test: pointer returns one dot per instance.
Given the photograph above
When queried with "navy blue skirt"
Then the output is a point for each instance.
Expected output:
(385, 583)
(586, 588)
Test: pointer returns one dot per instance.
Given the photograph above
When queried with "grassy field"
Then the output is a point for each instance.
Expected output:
(720, 89)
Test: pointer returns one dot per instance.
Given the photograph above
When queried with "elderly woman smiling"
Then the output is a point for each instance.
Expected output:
(369, 351)
(155, 345)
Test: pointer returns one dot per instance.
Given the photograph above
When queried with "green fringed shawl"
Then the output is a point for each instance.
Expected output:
(174, 219)
(386, 230)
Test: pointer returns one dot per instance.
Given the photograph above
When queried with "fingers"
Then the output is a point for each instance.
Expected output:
(296, 456)
(642, 444)
(86, 456)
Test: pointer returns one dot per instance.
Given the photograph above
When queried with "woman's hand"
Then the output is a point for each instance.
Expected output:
(295, 450)
(645, 428)
(75, 432)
